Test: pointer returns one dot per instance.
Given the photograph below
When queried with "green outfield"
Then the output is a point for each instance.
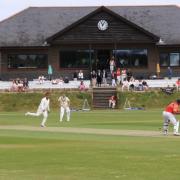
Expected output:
(40, 154)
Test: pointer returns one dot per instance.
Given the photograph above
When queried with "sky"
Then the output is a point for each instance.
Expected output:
(11, 7)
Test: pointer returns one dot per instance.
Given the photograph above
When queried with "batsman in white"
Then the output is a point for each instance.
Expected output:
(42, 109)
(64, 106)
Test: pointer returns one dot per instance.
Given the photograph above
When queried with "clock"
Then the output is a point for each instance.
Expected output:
(102, 25)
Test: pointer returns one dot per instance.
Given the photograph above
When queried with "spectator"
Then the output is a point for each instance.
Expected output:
(123, 75)
(112, 64)
(178, 84)
(93, 78)
(125, 84)
(145, 85)
(41, 79)
(112, 102)
(129, 74)
(99, 78)
(25, 84)
(82, 86)
(113, 79)
(169, 72)
(104, 77)
(118, 74)
(80, 75)
(14, 86)
(61, 82)
(75, 76)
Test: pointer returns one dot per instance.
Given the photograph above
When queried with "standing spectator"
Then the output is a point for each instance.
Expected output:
(50, 72)
(114, 77)
(80, 75)
(104, 77)
(118, 74)
(25, 83)
(168, 115)
(64, 106)
(99, 78)
(42, 109)
(112, 64)
(178, 84)
(123, 75)
(169, 73)
(93, 78)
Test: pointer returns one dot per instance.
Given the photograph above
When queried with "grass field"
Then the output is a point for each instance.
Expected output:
(44, 155)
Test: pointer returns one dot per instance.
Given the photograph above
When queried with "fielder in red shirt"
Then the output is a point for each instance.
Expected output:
(169, 117)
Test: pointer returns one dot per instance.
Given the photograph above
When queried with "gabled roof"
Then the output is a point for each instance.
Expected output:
(34, 25)
(100, 9)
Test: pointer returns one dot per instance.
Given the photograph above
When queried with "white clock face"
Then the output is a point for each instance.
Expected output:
(102, 25)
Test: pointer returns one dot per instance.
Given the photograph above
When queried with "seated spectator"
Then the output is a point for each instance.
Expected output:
(55, 81)
(178, 84)
(82, 86)
(41, 79)
(80, 75)
(131, 83)
(20, 86)
(140, 86)
(75, 76)
(168, 90)
(125, 84)
(145, 85)
(60, 82)
(112, 102)
(14, 86)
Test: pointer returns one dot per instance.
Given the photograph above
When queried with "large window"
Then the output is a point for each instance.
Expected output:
(169, 59)
(76, 58)
(27, 61)
(131, 57)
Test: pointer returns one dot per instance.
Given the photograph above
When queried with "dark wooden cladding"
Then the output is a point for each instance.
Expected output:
(117, 32)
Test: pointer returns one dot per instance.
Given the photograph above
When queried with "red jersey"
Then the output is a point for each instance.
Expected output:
(118, 72)
(172, 108)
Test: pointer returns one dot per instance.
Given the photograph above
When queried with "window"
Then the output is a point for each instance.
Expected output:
(169, 59)
(174, 59)
(164, 59)
(27, 61)
(76, 58)
(131, 57)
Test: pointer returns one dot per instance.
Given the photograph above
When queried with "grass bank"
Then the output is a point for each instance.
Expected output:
(26, 101)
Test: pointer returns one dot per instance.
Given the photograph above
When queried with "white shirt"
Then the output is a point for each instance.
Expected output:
(64, 101)
(44, 104)
(80, 75)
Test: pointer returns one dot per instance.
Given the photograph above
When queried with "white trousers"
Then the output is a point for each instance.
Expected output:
(62, 109)
(170, 118)
(38, 113)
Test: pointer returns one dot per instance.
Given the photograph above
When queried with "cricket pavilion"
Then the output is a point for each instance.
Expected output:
(74, 38)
